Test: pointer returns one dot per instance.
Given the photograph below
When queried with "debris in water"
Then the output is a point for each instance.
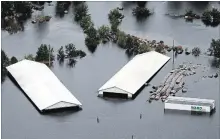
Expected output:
(184, 90)
(154, 87)
(216, 75)
(97, 120)
(66, 12)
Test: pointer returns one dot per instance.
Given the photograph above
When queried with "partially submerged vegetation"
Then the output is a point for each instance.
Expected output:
(84, 19)
(44, 54)
(62, 7)
(70, 53)
(215, 48)
(141, 12)
(190, 15)
(104, 33)
(15, 13)
(115, 18)
(196, 51)
(211, 17)
(6, 61)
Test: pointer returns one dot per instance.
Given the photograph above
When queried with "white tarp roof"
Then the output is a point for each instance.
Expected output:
(136, 72)
(41, 85)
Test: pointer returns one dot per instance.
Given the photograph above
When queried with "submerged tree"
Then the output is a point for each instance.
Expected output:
(29, 57)
(122, 38)
(196, 51)
(215, 48)
(14, 14)
(61, 7)
(44, 53)
(104, 33)
(61, 55)
(86, 23)
(91, 43)
(141, 12)
(71, 52)
(4, 63)
(13, 60)
(92, 40)
(143, 48)
(81, 10)
(211, 17)
(141, 3)
(115, 18)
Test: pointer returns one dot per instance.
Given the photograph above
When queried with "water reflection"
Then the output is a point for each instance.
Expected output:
(127, 4)
(198, 5)
(174, 5)
(91, 49)
(61, 8)
(208, 23)
(71, 62)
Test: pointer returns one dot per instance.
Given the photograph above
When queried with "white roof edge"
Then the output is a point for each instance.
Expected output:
(62, 101)
(115, 87)
(188, 98)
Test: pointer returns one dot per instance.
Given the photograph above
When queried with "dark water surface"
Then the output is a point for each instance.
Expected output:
(118, 119)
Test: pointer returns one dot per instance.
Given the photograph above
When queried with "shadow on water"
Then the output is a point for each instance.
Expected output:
(198, 5)
(61, 7)
(71, 62)
(91, 49)
(215, 62)
(115, 100)
(209, 23)
(42, 29)
(62, 112)
(174, 5)
(128, 4)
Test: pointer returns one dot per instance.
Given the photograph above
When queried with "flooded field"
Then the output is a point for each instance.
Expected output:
(118, 118)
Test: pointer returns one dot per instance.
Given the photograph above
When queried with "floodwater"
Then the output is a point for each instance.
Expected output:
(119, 119)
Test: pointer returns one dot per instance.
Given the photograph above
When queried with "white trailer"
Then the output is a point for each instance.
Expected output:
(189, 104)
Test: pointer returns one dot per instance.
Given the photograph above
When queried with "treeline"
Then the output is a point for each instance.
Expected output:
(45, 54)
(15, 13)
(208, 17)
(6, 61)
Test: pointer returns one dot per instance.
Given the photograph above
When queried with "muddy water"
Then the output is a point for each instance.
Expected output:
(118, 119)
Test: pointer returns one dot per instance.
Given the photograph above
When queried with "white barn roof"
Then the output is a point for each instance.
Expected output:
(42, 86)
(135, 73)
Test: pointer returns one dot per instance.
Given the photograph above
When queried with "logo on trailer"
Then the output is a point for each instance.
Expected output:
(197, 108)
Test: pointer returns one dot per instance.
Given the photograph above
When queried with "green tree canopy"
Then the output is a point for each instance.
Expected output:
(104, 33)
(43, 53)
(61, 55)
(29, 57)
(4, 63)
(13, 60)
(215, 48)
(81, 10)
